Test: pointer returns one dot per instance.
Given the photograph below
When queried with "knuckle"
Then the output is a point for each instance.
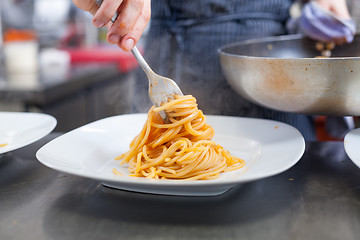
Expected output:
(108, 15)
(93, 9)
(137, 30)
(107, 10)
(122, 28)
(107, 4)
(102, 15)
(138, 4)
(146, 16)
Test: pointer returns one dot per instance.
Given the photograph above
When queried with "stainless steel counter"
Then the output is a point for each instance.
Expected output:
(319, 198)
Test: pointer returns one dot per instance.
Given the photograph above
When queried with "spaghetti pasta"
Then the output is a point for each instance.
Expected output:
(179, 149)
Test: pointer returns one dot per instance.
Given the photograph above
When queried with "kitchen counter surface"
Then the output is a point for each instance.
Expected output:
(318, 198)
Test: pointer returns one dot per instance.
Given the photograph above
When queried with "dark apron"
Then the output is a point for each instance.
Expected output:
(182, 44)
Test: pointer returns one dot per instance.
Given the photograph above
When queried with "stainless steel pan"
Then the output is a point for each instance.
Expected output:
(282, 73)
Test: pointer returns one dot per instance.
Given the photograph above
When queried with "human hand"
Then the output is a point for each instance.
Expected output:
(133, 17)
(327, 21)
(337, 7)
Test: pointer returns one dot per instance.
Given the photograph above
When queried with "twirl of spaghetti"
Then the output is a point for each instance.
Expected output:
(180, 149)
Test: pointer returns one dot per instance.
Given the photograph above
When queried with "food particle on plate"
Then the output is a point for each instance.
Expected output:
(3, 144)
(116, 172)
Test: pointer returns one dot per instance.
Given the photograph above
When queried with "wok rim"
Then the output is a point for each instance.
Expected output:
(221, 51)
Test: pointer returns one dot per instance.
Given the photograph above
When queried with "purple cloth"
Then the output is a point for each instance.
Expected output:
(322, 25)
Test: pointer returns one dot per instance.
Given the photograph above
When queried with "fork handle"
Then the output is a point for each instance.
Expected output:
(149, 72)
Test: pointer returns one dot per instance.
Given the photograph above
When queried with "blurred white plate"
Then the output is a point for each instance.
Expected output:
(18, 129)
(268, 147)
(351, 145)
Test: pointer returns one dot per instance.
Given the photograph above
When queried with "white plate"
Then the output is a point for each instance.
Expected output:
(268, 147)
(351, 145)
(18, 129)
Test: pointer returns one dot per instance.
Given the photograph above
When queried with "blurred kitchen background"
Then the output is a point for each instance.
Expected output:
(53, 60)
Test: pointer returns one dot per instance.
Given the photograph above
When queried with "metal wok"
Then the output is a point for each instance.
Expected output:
(282, 73)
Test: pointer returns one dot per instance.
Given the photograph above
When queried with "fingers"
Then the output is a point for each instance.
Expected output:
(106, 12)
(340, 41)
(341, 11)
(87, 5)
(337, 7)
(130, 24)
(129, 13)
(133, 17)
(132, 37)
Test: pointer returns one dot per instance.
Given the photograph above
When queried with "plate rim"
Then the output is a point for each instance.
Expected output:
(167, 183)
(348, 143)
(46, 131)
